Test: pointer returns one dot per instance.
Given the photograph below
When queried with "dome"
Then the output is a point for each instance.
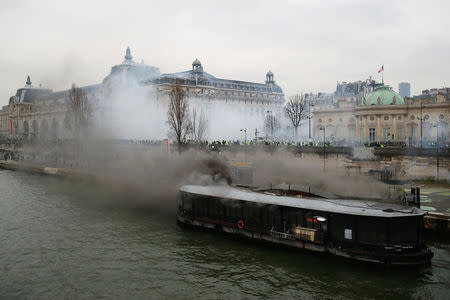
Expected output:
(383, 95)
(269, 73)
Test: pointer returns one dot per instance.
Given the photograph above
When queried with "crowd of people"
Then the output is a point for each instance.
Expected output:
(10, 146)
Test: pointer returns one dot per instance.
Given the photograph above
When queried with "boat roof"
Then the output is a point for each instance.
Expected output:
(342, 206)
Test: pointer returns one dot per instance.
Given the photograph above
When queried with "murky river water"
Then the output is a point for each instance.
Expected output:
(61, 239)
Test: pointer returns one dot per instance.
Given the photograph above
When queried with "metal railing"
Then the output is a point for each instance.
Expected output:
(281, 235)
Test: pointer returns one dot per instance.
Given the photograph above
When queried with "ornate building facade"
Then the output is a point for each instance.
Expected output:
(40, 112)
(382, 115)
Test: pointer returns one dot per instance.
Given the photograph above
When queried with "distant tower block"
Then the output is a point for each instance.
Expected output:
(404, 89)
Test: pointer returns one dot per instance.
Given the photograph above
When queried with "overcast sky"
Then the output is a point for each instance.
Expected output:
(309, 45)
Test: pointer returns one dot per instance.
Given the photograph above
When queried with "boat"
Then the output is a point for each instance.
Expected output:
(365, 231)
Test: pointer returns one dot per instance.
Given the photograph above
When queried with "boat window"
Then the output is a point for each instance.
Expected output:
(339, 226)
(237, 210)
(264, 214)
(311, 221)
(251, 213)
(257, 213)
(200, 206)
(292, 216)
(403, 230)
(372, 230)
(246, 210)
(232, 209)
(187, 202)
(203, 206)
(228, 209)
(214, 208)
(277, 220)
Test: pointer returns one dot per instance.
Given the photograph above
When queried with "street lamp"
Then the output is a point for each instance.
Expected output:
(270, 118)
(309, 117)
(421, 118)
(245, 134)
(245, 141)
(256, 135)
(437, 152)
(323, 128)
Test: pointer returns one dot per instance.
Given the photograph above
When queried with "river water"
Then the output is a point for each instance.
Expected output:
(63, 239)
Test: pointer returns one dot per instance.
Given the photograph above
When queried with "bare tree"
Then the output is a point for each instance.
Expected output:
(271, 125)
(79, 112)
(178, 115)
(199, 125)
(295, 110)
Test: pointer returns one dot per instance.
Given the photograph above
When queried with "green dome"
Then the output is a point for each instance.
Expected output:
(383, 95)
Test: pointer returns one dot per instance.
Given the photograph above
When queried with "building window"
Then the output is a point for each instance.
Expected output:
(361, 133)
(412, 131)
(399, 118)
(386, 134)
(372, 134)
(372, 118)
(386, 118)
(400, 133)
(412, 117)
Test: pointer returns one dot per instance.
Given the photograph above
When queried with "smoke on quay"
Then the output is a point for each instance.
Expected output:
(145, 174)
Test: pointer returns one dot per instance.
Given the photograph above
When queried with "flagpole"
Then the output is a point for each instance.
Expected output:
(382, 74)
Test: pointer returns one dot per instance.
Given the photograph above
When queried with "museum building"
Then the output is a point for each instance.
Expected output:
(40, 112)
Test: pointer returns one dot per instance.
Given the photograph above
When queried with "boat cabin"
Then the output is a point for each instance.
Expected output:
(336, 223)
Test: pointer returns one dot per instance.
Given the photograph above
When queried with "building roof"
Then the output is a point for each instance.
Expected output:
(209, 80)
(350, 207)
(383, 95)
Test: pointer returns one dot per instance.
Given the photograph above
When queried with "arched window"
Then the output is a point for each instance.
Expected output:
(34, 128)
(44, 129)
(54, 130)
(26, 128)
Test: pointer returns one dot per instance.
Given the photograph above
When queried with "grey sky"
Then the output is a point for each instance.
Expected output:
(309, 45)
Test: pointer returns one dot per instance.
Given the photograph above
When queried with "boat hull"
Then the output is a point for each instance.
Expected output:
(418, 258)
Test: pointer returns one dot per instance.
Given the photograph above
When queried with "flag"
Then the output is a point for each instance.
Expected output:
(381, 69)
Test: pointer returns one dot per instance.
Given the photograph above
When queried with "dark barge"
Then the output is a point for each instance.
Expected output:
(361, 230)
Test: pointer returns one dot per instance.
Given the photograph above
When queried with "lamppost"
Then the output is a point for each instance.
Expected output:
(256, 135)
(245, 141)
(421, 118)
(437, 152)
(309, 117)
(270, 118)
(245, 134)
(323, 128)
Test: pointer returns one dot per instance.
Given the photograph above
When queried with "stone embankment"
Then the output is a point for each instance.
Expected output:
(439, 223)
(43, 170)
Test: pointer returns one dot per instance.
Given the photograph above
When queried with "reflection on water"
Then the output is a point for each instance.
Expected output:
(68, 239)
